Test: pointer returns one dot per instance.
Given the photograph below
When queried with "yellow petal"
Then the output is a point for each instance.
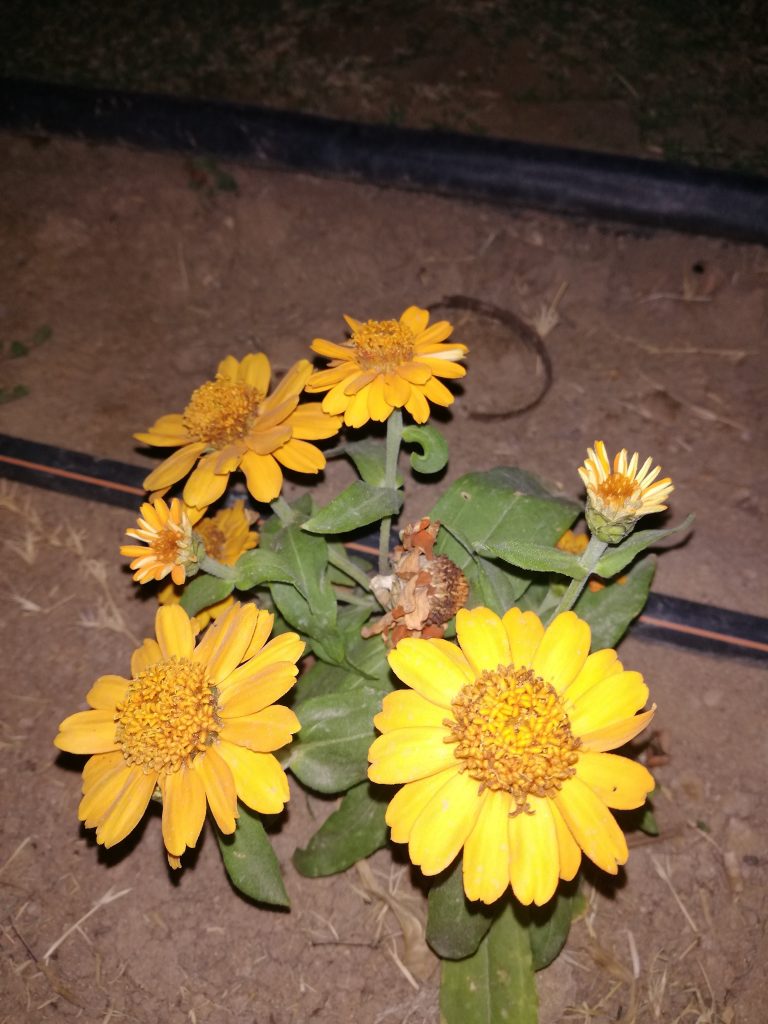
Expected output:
(301, 457)
(405, 755)
(616, 734)
(256, 371)
(143, 657)
(255, 691)
(418, 406)
(534, 856)
(128, 809)
(569, 849)
(563, 650)
(597, 667)
(442, 367)
(397, 390)
(415, 319)
(259, 779)
(428, 670)
(265, 731)
(263, 476)
(293, 382)
(438, 332)
(107, 692)
(612, 699)
(233, 633)
(87, 732)
(175, 467)
(99, 765)
(486, 851)
(310, 423)
(174, 631)
(592, 825)
(183, 809)
(524, 632)
(378, 406)
(216, 777)
(414, 373)
(618, 781)
(336, 401)
(266, 442)
(204, 486)
(406, 709)
(101, 791)
(483, 639)
(360, 380)
(356, 414)
(324, 380)
(410, 800)
(437, 393)
(441, 829)
(331, 350)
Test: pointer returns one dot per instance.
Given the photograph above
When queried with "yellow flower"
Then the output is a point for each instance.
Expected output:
(197, 721)
(387, 365)
(618, 497)
(167, 533)
(573, 543)
(232, 422)
(225, 537)
(500, 744)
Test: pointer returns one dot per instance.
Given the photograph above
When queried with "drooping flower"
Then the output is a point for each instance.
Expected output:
(234, 423)
(197, 721)
(618, 496)
(499, 743)
(387, 365)
(167, 546)
(225, 536)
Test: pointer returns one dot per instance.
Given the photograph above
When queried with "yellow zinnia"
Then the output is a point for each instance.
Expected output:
(618, 496)
(196, 721)
(231, 423)
(387, 365)
(500, 744)
(167, 547)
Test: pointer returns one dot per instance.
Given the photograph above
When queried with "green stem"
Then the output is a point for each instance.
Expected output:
(347, 596)
(283, 510)
(394, 439)
(588, 561)
(214, 568)
(341, 561)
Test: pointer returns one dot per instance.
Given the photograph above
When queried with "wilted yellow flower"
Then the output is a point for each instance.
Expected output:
(618, 497)
(197, 721)
(387, 365)
(231, 423)
(167, 548)
(499, 743)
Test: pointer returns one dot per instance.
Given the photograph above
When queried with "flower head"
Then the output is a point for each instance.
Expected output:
(500, 745)
(167, 548)
(618, 497)
(196, 721)
(233, 422)
(387, 365)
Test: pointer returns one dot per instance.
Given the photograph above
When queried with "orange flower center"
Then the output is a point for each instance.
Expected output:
(222, 411)
(617, 491)
(383, 345)
(168, 716)
(512, 733)
(172, 545)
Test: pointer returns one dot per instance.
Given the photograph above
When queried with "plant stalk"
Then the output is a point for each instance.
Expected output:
(392, 452)
(588, 561)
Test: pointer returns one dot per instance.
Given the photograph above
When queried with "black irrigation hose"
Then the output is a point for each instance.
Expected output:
(625, 189)
(670, 619)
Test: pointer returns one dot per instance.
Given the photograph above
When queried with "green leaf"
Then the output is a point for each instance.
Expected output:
(617, 558)
(262, 566)
(358, 505)
(609, 611)
(42, 334)
(330, 754)
(369, 460)
(456, 925)
(354, 831)
(534, 557)
(549, 925)
(18, 349)
(434, 448)
(369, 661)
(250, 861)
(203, 591)
(11, 394)
(495, 507)
(496, 985)
(306, 559)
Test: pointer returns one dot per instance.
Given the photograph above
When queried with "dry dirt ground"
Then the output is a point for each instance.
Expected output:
(657, 341)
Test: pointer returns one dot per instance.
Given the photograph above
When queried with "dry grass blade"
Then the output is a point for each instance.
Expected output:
(109, 897)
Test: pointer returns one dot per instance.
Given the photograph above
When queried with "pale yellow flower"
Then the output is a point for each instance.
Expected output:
(234, 423)
(618, 495)
(196, 721)
(388, 365)
(499, 743)
(167, 546)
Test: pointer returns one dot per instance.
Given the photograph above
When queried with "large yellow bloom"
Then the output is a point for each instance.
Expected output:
(500, 744)
(621, 494)
(387, 365)
(232, 422)
(196, 721)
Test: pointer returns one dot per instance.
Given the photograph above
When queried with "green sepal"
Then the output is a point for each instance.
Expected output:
(352, 832)
(497, 984)
(534, 557)
(330, 754)
(358, 505)
(434, 448)
(609, 611)
(548, 926)
(261, 566)
(456, 925)
(617, 558)
(250, 861)
(203, 591)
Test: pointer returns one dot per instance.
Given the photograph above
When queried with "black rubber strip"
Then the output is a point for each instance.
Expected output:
(624, 189)
(669, 619)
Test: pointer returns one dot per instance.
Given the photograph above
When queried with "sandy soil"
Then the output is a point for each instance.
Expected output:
(146, 282)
